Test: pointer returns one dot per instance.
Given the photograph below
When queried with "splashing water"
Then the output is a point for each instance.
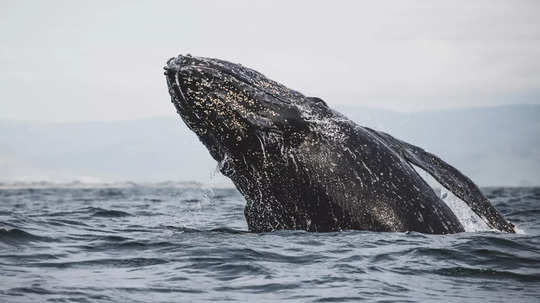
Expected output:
(470, 221)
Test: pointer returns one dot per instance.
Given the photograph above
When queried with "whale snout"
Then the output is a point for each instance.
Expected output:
(176, 64)
(173, 65)
(169, 68)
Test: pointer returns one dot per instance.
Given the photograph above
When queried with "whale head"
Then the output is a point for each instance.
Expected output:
(231, 107)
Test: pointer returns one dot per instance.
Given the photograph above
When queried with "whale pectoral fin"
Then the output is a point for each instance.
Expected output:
(451, 179)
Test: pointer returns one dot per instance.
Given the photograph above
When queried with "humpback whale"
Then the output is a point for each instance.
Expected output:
(302, 165)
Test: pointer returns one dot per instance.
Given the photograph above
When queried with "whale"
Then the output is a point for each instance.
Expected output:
(300, 165)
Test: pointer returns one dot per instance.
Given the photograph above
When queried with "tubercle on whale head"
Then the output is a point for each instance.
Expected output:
(230, 106)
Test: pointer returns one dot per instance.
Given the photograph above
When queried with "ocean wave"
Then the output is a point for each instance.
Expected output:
(150, 244)
(17, 236)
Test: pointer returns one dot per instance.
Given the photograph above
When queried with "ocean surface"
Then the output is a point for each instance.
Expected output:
(182, 243)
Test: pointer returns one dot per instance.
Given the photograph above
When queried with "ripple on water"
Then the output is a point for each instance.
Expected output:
(150, 244)
(16, 236)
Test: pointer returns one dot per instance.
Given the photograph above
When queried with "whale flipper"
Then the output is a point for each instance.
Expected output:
(449, 177)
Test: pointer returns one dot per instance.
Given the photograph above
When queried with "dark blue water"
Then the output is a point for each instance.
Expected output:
(179, 244)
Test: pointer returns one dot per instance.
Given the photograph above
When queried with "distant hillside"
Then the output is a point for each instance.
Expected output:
(493, 146)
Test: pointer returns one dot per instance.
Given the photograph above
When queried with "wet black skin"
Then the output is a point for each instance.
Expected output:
(301, 165)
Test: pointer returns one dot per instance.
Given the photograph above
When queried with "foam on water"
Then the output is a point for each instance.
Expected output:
(470, 221)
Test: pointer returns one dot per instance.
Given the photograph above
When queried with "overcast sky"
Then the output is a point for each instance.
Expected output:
(93, 60)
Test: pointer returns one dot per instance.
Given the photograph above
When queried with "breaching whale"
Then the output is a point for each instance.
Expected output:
(301, 165)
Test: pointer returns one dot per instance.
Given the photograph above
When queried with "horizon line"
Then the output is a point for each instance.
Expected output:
(174, 115)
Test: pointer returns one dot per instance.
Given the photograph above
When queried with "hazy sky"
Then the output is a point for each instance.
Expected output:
(93, 60)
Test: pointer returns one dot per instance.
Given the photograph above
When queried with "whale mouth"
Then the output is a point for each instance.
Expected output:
(172, 73)
(178, 69)
(176, 66)
(195, 83)
(230, 106)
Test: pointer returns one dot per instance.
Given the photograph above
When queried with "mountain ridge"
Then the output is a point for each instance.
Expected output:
(494, 146)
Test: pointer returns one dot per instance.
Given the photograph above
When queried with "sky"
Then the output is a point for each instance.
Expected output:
(75, 61)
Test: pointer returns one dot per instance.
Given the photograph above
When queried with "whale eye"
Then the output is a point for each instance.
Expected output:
(317, 100)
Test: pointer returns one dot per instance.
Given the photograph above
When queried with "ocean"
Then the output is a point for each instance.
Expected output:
(175, 242)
